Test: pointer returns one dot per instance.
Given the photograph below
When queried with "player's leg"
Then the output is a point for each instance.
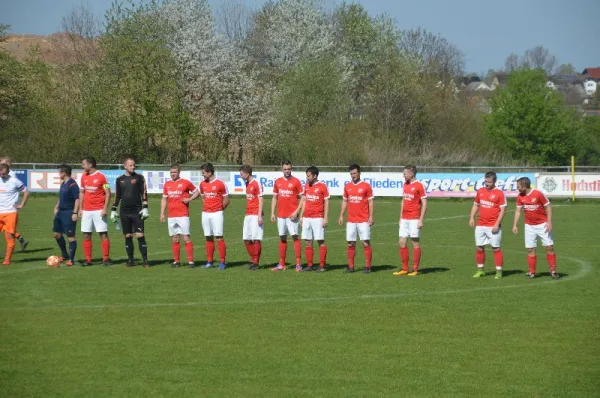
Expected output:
(364, 233)
(58, 236)
(551, 258)
(69, 229)
(87, 227)
(531, 245)
(127, 228)
(247, 238)
(257, 237)
(8, 224)
(307, 236)
(22, 242)
(319, 236)
(495, 241)
(282, 231)
(351, 232)
(184, 230)
(174, 231)
(415, 236)
(292, 227)
(218, 222)
(481, 239)
(138, 227)
(101, 226)
(403, 233)
(210, 239)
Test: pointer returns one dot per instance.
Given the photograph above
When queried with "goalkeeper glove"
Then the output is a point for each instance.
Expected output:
(113, 216)
(144, 213)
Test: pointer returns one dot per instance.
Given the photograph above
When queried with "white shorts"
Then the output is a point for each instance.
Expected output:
(312, 229)
(252, 231)
(362, 229)
(212, 223)
(532, 232)
(91, 221)
(408, 228)
(287, 226)
(179, 225)
(485, 236)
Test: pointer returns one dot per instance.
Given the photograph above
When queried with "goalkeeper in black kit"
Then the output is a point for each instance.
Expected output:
(132, 193)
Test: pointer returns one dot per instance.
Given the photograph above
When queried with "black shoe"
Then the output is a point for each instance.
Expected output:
(191, 265)
(307, 268)
(84, 263)
(348, 270)
(175, 264)
(530, 275)
(106, 262)
(555, 275)
(367, 271)
(130, 263)
(23, 244)
(254, 267)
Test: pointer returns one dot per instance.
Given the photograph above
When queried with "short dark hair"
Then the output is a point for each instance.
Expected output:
(412, 168)
(65, 168)
(524, 181)
(491, 174)
(175, 166)
(246, 169)
(354, 166)
(129, 157)
(286, 163)
(4, 166)
(91, 160)
(313, 170)
(208, 167)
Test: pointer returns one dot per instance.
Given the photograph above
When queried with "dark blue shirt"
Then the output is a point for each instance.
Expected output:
(68, 194)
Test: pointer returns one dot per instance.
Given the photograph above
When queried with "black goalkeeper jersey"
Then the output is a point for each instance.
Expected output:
(131, 192)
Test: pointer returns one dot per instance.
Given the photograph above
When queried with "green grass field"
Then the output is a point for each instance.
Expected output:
(114, 331)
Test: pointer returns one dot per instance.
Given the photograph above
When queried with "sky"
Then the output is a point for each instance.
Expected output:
(486, 31)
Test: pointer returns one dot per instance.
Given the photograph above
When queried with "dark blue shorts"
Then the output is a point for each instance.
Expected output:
(63, 223)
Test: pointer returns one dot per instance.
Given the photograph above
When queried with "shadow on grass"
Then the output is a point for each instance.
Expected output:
(43, 249)
(379, 268)
(547, 274)
(433, 270)
(510, 272)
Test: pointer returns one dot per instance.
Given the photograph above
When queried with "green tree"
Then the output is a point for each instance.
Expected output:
(531, 122)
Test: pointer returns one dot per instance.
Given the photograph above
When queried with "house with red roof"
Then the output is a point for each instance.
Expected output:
(592, 79)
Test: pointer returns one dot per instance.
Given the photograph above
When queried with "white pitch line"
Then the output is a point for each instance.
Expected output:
(584, 269)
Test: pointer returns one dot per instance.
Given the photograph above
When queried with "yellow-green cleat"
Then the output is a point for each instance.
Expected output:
(498, 274)
(479, 274)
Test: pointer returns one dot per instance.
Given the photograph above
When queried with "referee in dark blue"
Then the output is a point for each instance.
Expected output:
(132, 193)
(65, 214)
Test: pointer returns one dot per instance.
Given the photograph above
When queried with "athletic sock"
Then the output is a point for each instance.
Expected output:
(129, 248)
(143, 247)
(63, 246)
(404, 257)
(175, 248)
(189, 250)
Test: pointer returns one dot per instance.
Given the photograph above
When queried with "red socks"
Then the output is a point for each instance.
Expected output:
(531, 261)
(210, 251)
(368, 256)
(351, 255)
(175, 246)
(498, 258)
(189, 250)
(404, 257)
(416, 258)
(322, 255)
(282, 252)
(105, 249)
(551, 258)
(222, 250)
(480, 258)
(250, 250)
(309, 252)
(87, 250)
(298, 251)
(257, 251)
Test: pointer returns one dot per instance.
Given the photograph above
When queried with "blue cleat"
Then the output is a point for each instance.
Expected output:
(208, 265)
(222, 266)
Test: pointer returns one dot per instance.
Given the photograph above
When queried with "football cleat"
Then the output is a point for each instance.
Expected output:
(498, 274)
(23, 244)
(208, 265)
(175, 264)
(278, 267)
(298, 268)
(85, 263)
(321, 269)
(414, 273)
(555, 275)
(191, 265)
(106, 262)
(348, 270)
(530, 275)
(69, 263)
(479, 274)
(367, 271)
(399, 273)
(253, 267)
(222, 266)
(130, 263)
(6, 263)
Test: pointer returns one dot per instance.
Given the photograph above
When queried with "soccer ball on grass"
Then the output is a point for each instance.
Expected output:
(53, 261)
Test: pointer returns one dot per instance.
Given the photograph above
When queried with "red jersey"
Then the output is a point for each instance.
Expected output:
(254, 190)
(414, 193)
(175, 191)
(93, 186)
(287, 192)
(534, 206)
(315, 197)
(490, 202)
(213, 193)
(358, 196)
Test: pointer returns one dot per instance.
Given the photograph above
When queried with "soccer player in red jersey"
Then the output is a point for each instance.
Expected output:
(175, 193)
(94, 199)
(253, 220)
(216, 199)
(287, 197)
(491, 204)
(538, 224)
(313, 217)
(412, 214)
(358, 199)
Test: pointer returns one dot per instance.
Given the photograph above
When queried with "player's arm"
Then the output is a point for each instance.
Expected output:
(302, 207)
(371, 211)
(342, 211)
(56, 207)
(75, 192)
(549, 215)
(296, 212)
(163, 207)
(225, 201)
(499, 220)
(81, 194)
(423, 211)
(118, 193)
(24, 199)
(106, 199)
(326, 212)
(515, 229)
(194, 196)
(144, 196)
(261, 201)
(273, 206)
(474, 211)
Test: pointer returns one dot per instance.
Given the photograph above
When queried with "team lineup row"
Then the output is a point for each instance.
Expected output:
(292, 206)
